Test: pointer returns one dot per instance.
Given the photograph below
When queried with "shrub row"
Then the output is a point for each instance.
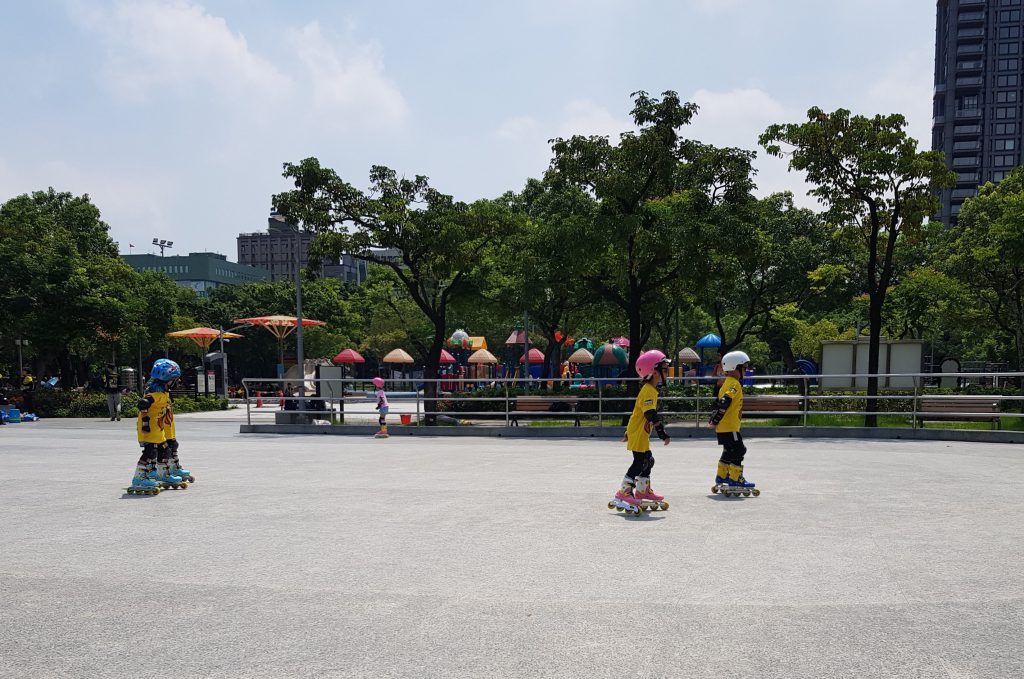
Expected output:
(61, 403)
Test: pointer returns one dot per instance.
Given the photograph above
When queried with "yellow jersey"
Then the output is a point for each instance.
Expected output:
(638, 430)
(730, 422)
(161, 418)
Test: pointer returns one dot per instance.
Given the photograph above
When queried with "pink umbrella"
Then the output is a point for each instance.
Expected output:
(536, 356)
(446, 358)
(621, 341)
(349, 356)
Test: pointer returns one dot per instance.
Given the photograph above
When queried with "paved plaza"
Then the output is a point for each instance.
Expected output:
(337, 556)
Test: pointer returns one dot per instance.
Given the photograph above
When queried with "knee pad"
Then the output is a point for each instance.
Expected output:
(172, 444)
(149, 451)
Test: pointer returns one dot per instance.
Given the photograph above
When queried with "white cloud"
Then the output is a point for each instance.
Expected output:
(353, 84)
(906, 87)
(155, 44)
(518, 129)
(584, 117)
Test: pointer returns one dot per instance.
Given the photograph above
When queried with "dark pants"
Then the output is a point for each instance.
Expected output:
(642, 465)
(733, 449)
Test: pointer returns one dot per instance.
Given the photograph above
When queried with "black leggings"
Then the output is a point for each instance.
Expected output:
(642, 465)
(733, 449)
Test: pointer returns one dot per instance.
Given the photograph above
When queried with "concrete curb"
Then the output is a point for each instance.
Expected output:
(964, 435)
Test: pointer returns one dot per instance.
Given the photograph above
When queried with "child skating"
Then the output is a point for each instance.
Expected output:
(382, 408)
(726, 420)
(636, 495)
(151, 472)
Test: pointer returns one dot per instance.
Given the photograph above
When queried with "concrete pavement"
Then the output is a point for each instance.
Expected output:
(343, 557)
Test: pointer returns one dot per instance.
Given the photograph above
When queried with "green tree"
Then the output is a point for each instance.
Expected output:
(875, 184)
(647, 189)
(435, 245)
(987, 255)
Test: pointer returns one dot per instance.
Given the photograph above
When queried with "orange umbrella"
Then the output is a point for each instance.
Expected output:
(398, 356)
(203, 337)
(279, 326)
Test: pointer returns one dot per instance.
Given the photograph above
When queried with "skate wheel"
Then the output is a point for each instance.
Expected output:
(611, 505)
(714, 489)
(746, 493)
(756, 492)
(131, 491)
(618, 508)
(664, 506)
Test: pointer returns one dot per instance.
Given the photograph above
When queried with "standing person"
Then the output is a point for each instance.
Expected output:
(726, 421)
(636, 494)
(155, 418)
(28, 387)
(382, 407)
(113, 388)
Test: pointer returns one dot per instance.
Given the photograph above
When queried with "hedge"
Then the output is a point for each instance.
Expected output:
(61, 403)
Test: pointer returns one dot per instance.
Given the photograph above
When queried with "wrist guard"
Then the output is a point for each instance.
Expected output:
(722, 405)
(145, 424)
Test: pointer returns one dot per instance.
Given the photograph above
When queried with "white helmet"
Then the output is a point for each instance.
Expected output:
(734, 359)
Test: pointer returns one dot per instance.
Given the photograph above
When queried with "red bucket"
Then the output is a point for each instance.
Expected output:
(406, 419)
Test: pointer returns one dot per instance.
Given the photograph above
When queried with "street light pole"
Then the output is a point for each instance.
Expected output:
(300, 357)
(224, 361)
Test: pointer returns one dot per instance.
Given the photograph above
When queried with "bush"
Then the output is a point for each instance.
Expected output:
(92, 404)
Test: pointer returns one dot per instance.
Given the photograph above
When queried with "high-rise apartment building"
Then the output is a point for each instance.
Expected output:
(978, 93)
(274, 251)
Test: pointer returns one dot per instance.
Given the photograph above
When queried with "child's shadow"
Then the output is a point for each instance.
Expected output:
(726, 498)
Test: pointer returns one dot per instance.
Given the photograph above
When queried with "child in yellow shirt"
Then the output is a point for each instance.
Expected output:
(726, 421)
(636, 494)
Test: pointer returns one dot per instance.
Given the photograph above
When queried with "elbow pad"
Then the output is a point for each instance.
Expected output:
(723, 405)
(145, 403)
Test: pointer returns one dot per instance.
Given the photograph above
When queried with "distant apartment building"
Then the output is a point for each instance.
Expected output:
(978, 93)
(274, 251)
(200, 271)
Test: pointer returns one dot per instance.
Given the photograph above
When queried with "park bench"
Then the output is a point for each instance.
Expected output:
(548, 405)
(771, 405)
(963, 408)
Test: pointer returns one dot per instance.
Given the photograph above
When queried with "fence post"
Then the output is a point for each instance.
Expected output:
(418, 407)
(913, 416)
(697, 413)
(248, 414)
(807, 399)
(506, 403)
(600, 403)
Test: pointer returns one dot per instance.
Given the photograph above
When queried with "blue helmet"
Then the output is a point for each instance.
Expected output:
(165, 370)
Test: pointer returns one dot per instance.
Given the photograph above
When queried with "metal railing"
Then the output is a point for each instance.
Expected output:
(606, 401)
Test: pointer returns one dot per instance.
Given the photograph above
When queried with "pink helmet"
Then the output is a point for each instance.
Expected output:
(378, 382)
(650, 361)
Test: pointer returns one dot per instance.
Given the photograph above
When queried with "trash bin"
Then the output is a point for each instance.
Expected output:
(406, 418)
(13, 415)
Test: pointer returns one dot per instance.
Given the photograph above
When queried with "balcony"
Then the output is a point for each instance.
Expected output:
(960, 194)
(966, 146)
(966, 130)
(962, 66)
(970, 18)
(970, 34)
(968, 178)
(974, 81)
(970, 50)
(940, 88)
(967, 161)
(968, 113)
(972, 3)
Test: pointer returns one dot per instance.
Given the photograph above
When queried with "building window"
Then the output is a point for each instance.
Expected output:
(1003, 161)
(970, 161)
(1008, 64)
(1006, 112)
(999, 175)
(1009, 48)
(1006, 97)
(1006, 81)
(1003, 144)
(1009, 32)
(1009, 15)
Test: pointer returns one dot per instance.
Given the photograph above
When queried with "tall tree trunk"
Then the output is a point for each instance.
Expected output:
(430, 371)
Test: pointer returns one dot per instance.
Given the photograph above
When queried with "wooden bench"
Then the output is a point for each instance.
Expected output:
(964, 408)
(772, 404)
(549, 405)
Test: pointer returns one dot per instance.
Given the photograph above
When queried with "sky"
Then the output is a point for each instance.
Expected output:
(176, 116)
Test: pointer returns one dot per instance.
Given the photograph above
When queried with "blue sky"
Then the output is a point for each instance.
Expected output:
(176, 115)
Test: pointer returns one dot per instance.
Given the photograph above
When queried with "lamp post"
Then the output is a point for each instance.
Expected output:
(21, 343)
(300, 357)
(224, 355)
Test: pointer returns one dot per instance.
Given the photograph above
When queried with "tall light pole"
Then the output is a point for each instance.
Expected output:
(21, 343)
(161, 243)
(300, 357)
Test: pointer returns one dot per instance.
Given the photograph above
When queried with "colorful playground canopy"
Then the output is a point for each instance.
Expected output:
(581, 355)
(279, 326)
(482, 356)
(610, 354)
(204, 337)
(517, 337)
(398, 356)
(446, 358)
(535, 355)
(688, 355)
(349, 356)
(710, 340)
(621, 341)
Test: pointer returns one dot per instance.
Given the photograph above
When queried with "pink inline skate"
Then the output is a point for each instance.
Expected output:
(624, 501)
(647, 498)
